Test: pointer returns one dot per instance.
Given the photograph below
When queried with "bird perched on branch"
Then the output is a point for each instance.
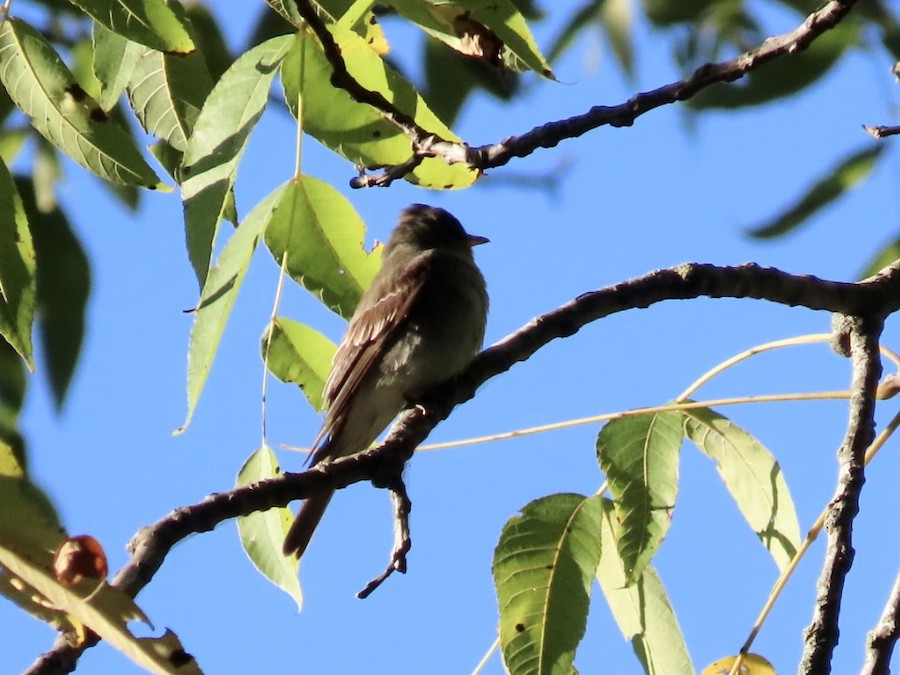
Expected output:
(419, 324)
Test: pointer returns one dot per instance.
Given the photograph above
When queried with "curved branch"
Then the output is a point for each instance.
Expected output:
(878, 296)
(623, 115)
(428, 144)
(821, 636)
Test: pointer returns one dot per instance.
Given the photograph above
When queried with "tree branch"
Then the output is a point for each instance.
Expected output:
(623, 115)
(879, 296)
(822, 635)
(428, 144)
(342, 79)
(883, 637)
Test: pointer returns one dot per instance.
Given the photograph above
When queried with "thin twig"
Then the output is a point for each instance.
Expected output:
(821, 636)
(880, 132)
(402, 539)
(883, 637)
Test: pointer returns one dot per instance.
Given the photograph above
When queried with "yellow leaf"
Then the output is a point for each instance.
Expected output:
(751, 664)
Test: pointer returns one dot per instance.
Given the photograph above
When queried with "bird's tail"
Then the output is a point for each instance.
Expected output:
(304, 525)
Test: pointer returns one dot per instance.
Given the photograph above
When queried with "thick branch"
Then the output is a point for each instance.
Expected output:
(883, 637)
(879, 295)
(822, 634)
(428, 144)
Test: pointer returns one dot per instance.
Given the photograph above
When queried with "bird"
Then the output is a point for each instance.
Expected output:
(419, 324)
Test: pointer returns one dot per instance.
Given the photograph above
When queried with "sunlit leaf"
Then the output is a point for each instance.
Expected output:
(218, 295)
(323, 237)
(639, 456)
(218, 140)
(642, 609)
(114, 60)
(544, 566)
(357, 131)
(167, 93)
(106, 610)
(842, 178)
(262, 533)
(44, 89)
(300, 355)
(150, 22)
(753, 478)
(287, 9)
(35, 528)
(751, 664)
(36, 525)
(493, 30)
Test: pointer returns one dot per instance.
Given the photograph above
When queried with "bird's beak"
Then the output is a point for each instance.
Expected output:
(475, 240)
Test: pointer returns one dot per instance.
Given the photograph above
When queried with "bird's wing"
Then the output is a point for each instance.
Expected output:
(380, 314)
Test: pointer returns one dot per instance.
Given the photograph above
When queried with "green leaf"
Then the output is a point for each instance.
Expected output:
(13, 384)
(106, 610)
(494, 30)
(114, 61)
(63, 288)
(452, 77)
(616, 19)
(209, 39)
(785, 78)
(322, 235)
(45, 174)
(642, 610)
(36, 525)
(888, 254)
(262, 533)
(753, 478)
(218, 295)
(81, 62)
(149, 22)
(544, 565)
(287, 9)
(18, 285)
(751, 664)
(666, 12)
(218, 140)
(300, 355)
(167, 93)
(357, 131)
(44, 89)
(639, 456)
(585, 17)
(11, 142)
(842, 178)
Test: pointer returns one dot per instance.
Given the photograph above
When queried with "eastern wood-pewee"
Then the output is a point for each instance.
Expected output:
(419, 324)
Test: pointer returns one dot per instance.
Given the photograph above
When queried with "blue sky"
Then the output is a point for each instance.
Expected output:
(669, 189)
